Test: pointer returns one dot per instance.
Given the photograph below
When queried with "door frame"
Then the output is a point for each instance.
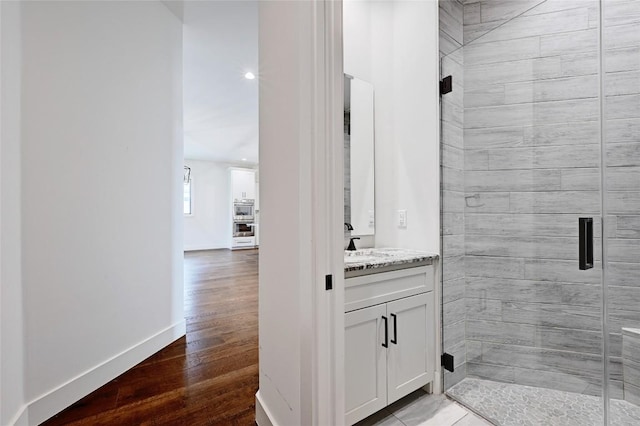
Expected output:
(301, 89)
(327, 396)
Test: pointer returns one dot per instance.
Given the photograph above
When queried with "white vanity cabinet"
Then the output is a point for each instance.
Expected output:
(389, 346)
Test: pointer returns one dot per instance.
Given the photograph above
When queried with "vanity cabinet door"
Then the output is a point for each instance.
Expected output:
(411, 345)
(365, 363)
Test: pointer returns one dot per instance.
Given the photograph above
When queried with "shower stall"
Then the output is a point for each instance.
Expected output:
(540, 128)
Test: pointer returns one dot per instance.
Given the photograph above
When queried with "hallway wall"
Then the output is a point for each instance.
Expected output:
(12, 396)
(101, 191)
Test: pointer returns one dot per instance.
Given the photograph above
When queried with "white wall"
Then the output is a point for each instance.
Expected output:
(301, 193)
(280, 297)
(286, 218)
(101, 193)
(210, 225)
(12, 398)
(416, 144)
(357, 33)
(393, 44)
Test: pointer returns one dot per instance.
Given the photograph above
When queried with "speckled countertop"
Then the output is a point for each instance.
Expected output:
(372, 260)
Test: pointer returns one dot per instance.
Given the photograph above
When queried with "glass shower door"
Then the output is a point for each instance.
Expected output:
(621, 154)
(520, 165)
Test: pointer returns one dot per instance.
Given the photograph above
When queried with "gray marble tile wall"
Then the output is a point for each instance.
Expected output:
(622, 139)
(452, 170)
(531, 168)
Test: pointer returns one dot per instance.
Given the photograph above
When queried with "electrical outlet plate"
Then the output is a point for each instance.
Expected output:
(402, 218)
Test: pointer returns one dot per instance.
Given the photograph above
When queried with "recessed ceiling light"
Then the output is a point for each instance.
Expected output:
(244, 159)
(249, 76)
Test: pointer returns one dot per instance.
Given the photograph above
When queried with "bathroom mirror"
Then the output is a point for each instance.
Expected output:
(359, 176)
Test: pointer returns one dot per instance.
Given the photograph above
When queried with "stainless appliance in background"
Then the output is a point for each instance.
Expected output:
(243, 224)
(243, 210)
(242, 229)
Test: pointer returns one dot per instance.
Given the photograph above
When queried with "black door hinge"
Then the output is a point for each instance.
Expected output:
(446, 360)
(328, 282)
(446, 85)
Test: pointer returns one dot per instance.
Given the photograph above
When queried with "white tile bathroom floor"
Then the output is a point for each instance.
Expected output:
(423, 409)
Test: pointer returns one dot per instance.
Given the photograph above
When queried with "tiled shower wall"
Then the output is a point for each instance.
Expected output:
(531, 158)
(452, 170)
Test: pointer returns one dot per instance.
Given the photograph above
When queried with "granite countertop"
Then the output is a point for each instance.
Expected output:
(373, 260)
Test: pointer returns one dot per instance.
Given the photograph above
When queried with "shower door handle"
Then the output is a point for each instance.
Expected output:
(585, 245)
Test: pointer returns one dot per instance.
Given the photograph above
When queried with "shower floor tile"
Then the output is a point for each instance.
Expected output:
(509, 404)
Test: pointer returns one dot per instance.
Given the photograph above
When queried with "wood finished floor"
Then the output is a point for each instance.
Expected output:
(208, 377)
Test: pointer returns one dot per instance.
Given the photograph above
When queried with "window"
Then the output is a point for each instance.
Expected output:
(187, 198)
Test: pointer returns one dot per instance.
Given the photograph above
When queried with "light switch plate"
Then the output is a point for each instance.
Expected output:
(402, 218)
(372, 219)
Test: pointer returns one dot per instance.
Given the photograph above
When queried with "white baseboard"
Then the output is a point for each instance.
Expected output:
(205, 247)
(51, 403)
(21, 418)
(263, 416)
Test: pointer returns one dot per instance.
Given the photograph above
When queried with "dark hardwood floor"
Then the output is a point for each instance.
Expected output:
(209, 377)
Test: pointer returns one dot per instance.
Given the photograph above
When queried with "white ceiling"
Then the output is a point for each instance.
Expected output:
(220, 105)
